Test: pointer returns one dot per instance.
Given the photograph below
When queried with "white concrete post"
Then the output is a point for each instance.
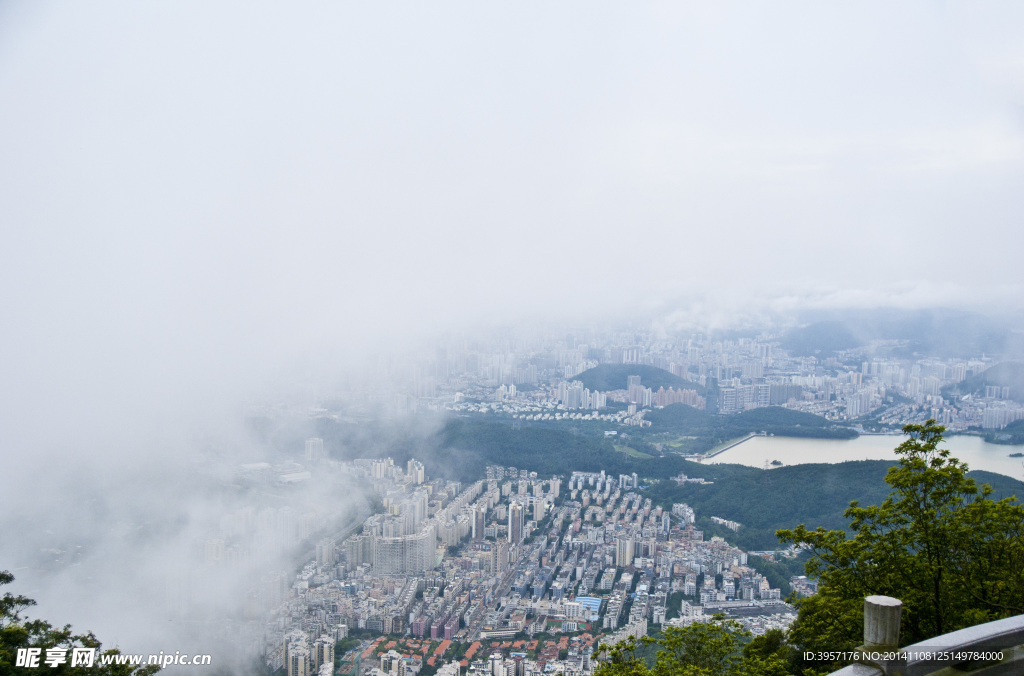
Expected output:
(882, 622)
(882, 635)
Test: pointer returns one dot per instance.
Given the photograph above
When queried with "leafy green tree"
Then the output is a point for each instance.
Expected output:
(18, 632)
(770, 648)
(939, 543)
(700, 649)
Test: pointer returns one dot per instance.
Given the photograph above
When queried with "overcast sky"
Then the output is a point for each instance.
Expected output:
(191, 191)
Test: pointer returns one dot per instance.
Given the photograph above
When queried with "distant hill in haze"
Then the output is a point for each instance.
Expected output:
(615, 376)
(819, 339)
(1007, 374)
(938, 332)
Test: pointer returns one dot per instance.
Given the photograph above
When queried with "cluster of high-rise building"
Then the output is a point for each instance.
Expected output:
(526, 556)
(404, 539)
(573, 395)
(305, 658)
(536, 379)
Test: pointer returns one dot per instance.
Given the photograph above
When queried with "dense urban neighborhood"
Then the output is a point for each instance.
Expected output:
(511, 570)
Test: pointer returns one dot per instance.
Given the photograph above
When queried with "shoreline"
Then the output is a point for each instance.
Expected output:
(731, 444)
(972, 449)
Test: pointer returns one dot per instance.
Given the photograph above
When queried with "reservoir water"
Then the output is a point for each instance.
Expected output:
(759, 451)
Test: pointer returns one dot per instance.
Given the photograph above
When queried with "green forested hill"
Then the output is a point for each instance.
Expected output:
(713, 429)
(1012, 434)
(465, 447)
(615, 376)
(681, 418)
(461, 447)
(815, 495)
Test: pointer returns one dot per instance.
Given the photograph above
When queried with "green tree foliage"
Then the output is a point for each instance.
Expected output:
(939, 543)
(700, 649)
(769, 651)
(18, 632)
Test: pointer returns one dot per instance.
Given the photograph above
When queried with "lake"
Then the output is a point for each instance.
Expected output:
(758, 451)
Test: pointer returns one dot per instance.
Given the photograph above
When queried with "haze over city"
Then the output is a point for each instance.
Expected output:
(225, 224)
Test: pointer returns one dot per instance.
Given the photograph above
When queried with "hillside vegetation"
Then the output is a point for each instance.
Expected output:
(765, 501)
(708, 430)
(615, 376)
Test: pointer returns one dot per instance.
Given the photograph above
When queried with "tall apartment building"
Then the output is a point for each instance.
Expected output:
(416, 471)
(404, 554)
(297, 654)
(479, 521)
(315, 450)
(516, 523)
(323, 653)
(499, 557)
(624, 552)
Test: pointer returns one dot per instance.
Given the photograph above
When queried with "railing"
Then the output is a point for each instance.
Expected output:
(991, 649)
